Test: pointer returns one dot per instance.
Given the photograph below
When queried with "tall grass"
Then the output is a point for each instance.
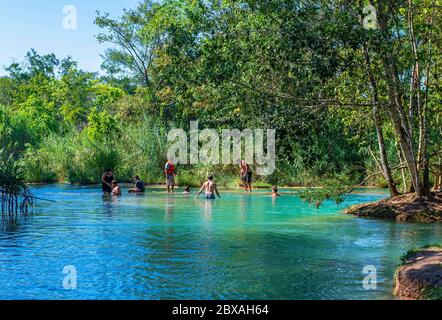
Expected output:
(78, 159)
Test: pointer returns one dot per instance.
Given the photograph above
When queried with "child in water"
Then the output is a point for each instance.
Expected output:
(275, 192)
(116, 190)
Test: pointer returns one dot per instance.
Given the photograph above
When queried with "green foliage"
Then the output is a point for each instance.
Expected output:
(78, 157)
(100, 125)
(73, 158)
(299, 69)
(40, 116)
(433, 293)
(334, 189)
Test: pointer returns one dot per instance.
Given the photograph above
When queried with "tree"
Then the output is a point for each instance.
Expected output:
(134, 50)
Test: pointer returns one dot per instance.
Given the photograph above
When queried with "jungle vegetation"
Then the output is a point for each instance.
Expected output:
(353, 89)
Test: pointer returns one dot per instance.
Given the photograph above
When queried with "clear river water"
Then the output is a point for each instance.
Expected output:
(160, 246)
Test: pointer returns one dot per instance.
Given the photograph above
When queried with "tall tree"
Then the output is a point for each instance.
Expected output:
(133, 50)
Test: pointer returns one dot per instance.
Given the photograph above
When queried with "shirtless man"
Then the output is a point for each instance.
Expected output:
(210, 189)
(246, 175)
(275, 192)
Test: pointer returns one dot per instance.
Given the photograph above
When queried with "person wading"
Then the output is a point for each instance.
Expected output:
(106, 181)
(246, 175)
(169, 171)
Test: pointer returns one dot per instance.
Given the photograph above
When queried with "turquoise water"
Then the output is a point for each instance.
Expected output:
(159, 246)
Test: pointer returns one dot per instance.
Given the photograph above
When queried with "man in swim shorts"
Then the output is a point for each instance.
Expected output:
(210, 189)
(246, 175)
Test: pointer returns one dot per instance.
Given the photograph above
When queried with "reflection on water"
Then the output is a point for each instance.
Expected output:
(171, 246)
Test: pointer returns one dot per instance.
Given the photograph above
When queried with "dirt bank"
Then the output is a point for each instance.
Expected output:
(402, 208)
(420, 275)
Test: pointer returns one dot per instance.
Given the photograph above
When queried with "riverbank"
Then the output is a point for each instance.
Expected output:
(420, 275)
(402, 208)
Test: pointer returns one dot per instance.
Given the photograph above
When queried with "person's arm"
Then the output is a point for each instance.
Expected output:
(216, 190)
(199, 192)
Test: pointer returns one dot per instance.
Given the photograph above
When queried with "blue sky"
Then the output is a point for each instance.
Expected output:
(38, 24)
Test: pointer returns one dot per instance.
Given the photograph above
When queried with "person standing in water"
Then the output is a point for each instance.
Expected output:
(210, 189)
(106, 181)
(275, 192)
(169, 171)
(246, 175)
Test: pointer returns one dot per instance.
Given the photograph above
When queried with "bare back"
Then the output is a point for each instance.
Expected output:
(209, 186)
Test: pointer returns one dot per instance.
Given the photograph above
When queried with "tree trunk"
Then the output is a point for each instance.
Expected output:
(395, 106)
(385, 166)
(438, 177)
(383, 154)
(423, 156)
(403, 173)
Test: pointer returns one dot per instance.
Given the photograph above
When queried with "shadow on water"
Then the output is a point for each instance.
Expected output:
(110, 204)
(14, 223)
(169, 207)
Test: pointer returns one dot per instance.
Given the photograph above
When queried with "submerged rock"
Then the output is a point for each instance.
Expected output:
(402, 208)
(420, 275)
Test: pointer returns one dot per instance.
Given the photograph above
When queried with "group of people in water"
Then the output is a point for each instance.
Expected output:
(110, 184)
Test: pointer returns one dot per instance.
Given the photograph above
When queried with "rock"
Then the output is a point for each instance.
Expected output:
(420, 275)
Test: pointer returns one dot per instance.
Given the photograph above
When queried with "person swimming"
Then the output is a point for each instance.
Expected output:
(186, 190)
(275, 192)
(116, 190)
(210, 189)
